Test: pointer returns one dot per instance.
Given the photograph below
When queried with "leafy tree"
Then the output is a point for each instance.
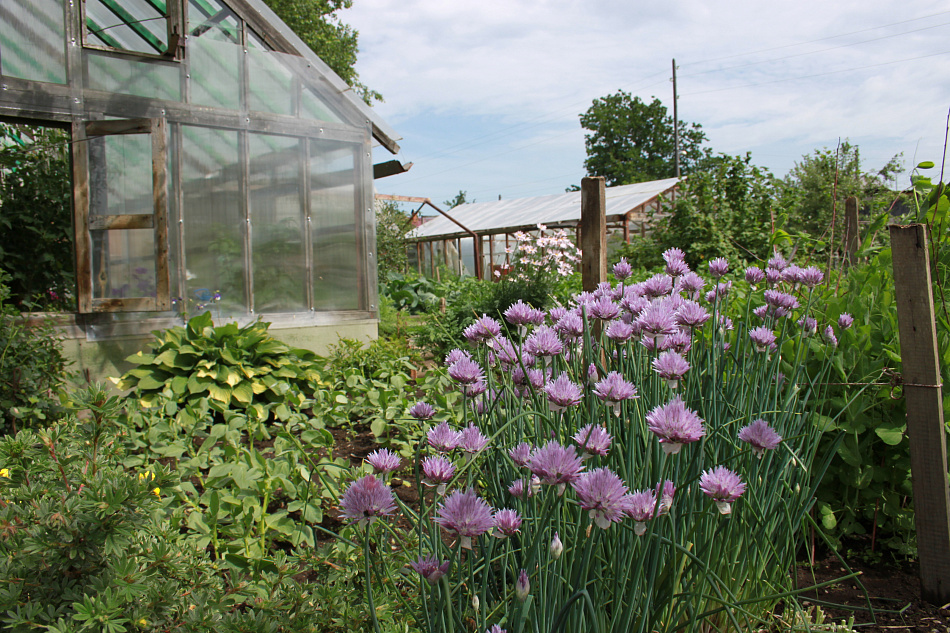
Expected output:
(633, 141)
(36, 243)
(724, 210)
(316, 22)
(817, 186)
(460, 198)
(391, 226)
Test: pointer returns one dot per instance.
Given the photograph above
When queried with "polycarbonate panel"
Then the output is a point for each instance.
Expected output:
(123, 264)
(120, 175)
(128, 25)
(313, 107)
(271, 86)
(211, 19)
(277, 224)
(215, 69)
(213, 222)
(33, 40)
(336, 253)
(142, 78)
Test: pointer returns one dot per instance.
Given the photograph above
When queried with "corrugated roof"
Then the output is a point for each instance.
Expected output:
(505, 216)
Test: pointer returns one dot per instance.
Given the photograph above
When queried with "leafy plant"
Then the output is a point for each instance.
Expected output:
(411, 292)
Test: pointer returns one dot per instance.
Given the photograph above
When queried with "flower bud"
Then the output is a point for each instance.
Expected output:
(557, 547)
(475, 602)
(522, 587)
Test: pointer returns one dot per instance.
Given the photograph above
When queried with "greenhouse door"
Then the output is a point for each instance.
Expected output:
(119, 188)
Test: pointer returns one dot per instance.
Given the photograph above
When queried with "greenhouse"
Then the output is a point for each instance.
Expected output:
(217, 163)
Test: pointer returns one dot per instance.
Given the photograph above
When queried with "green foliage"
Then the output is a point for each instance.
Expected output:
(391, 227)
(815, 190)
(722, 210)
(318, 24)
(460, 198)
(411, 292)
(632, 141)
(36, 242)
(232, 367)
(32, 369)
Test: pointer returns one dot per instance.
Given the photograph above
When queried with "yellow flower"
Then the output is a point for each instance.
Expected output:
(157, 492)
(142, 622)
(5, 472)
(146, 475)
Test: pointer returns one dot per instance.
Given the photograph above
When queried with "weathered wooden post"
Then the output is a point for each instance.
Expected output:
(852, 230)
(593, 232)
(924, 395)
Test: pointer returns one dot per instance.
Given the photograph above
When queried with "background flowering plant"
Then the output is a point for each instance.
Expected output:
(646, 482)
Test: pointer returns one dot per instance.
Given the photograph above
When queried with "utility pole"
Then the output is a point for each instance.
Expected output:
(676, 126)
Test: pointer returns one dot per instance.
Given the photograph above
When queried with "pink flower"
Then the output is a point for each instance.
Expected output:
(675, 425)
(555, 464)
(593, 440)
(467, 515)
(430, 569)
(761, 436)
(384, 460)
(603, 494)
(723, 486)
(562, 393)
(367, 499)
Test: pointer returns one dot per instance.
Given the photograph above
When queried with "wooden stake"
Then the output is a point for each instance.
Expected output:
(924, 395)
(593, 232)
(852, 235)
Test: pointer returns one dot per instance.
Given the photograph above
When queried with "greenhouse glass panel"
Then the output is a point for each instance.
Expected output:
(33, 40)
(213, 222)
(336, 252)
(153, 79)
(277, 224)
(271, 84)
(121, 182)
(215, 69)
(123, 264)
(130, 25)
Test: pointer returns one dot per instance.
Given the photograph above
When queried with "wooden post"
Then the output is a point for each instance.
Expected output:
(593, 232)
(852, 231)
(626, 229)
(924, 394)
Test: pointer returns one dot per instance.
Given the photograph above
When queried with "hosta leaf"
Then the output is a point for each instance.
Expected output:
(243, 393)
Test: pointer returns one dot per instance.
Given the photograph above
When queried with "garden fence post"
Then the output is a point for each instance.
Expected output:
(924, 396)
(593, 232)
(852, 234)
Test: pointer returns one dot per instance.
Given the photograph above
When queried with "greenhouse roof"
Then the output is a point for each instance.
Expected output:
(564, 209)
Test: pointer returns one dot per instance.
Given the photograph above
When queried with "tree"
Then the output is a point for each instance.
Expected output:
(316, 22)
(460, 198)
(815, 189)
(391, 226)
(632, 141)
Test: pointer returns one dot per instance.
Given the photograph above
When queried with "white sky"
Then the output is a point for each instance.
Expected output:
(487, 94)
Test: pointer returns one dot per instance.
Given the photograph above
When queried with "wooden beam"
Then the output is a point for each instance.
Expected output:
(389, 168)
(923, 392)
(593, 232)
(852, 234)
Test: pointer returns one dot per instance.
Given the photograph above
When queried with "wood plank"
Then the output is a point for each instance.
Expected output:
(117, 222)
(593, 228)
(81, 238)
(131, 304)
(925, 419)
(159, 134)
(121, 126)
(852, 230)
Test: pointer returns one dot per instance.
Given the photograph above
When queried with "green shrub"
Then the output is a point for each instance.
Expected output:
(32, 369)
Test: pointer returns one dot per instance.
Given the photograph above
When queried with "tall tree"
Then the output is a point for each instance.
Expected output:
(632, 141)
(317, 23)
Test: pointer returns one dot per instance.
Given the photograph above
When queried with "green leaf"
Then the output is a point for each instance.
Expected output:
(890, 436)
(927, 164)
(243, 393)
(849, 451)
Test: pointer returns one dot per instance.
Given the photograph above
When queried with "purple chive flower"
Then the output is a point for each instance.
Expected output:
(507, 523)
(519, 487)
(619, 332)
(604, 309)
(557, 313)
(762, 312)
(691, 283)
(562, 393)
(384, 460)
(521, 453)
(675, 425)
(543, 342)
(456, 355)
(633, 304)
(437, 470)
(691, 315)
(778, 262)
(465, 514)
(496, 629)
(675, 262)
(666, 497)
(830, 337)
(555, 464)
(614, 389)
(718, 267)
(761, 436)
(657, 286)
(670, 366)
(522, 586)
(723, 486)
(367, 499)
(811, 276)
(603, 494)
(680, 342)
(443, 438)
(466, 371)
(792, 274)
(808, 325)
(474, 389)
(421, 411)
(773, 276)
(429, 568)
(484, 329)
(657, 319)
(523, 315)
(593, 440)
(763, 338)
(845, 321)
(754, 275)
(570, 326)
(640, 507)
(622, 269)
(472, 440)
(779, 299)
